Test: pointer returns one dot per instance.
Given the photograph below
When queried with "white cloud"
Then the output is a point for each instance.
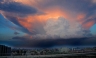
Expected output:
(63, 29)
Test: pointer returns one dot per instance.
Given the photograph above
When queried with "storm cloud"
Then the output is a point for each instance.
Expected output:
(46, 43)
(16, 7)
(48, 23)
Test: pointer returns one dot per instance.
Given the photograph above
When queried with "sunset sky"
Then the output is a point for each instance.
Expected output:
(47, 23)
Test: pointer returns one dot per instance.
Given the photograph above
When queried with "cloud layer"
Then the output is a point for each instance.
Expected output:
(47, 43)
(16, 7)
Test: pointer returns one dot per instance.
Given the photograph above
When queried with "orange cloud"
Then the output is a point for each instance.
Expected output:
(81, 17)
(52, 12)
(89, 24)
(26, 22)
(27, 2)
(30, 21)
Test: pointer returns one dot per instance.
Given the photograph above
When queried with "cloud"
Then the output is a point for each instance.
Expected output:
(71, 29)
(60, 27)
(46, 43)
(6, 23)
(16, 7)
(73, 8)
(63, 29)
(14, 20)
(18, 38)
(94, 1)
(68, 9)
(16, 33)
(1, 0)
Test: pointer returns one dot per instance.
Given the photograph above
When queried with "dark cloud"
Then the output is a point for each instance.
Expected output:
(20, 38)
(14, 20)
(74, 5)
(1, 0)
(45, 43)
(16, 7)
(16, 33)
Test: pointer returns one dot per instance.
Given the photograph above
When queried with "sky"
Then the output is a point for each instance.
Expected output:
(47, 23)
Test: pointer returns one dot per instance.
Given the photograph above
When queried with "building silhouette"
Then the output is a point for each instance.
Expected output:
(5, 50)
